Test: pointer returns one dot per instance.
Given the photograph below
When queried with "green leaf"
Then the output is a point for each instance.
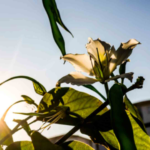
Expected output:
(133, 110)
(78, 102)
(91, 87)
(39, 89)
(76, 145)
(38, 86)
(58, 17)
(28, 99)
(142, 140)
(53, 15)
(120, 121)
(42, 143)
(21, 145)
(4, 131)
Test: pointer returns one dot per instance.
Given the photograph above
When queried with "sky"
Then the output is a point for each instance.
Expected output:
(27, 47)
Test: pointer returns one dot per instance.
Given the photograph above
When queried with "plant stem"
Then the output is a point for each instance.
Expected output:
(14, 130)
(28, 124)
(79, 125)
(106, 89)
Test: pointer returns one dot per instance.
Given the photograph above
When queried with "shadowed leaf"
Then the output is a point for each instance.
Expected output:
(120, 121)
(42, 143)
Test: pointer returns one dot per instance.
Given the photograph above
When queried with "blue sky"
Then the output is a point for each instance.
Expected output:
(27, 46)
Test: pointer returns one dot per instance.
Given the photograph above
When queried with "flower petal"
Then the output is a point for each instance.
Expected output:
(126, 75)
(125, 50)
(81, 62)
(76, 78)
(97, 49)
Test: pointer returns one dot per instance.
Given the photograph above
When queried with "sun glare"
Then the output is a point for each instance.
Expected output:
(6, 101)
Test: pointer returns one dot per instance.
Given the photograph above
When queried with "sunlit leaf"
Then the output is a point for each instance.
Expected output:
(36, 83)
(142, 140)
(39, 89)
(120, 121)
(4, 131)
(76, 145)
(133, 110)
(21, 145)
(110, 138)
(78, 102)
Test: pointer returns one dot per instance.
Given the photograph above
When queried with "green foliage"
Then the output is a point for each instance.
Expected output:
(54, 18)
(120, 121)
(21, 145)
(118, 128)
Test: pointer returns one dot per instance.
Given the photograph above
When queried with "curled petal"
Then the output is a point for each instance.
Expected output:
(97, 49)
(113, 60)
(125, 50)
(81, 62)
(76, 78)
(126, 75)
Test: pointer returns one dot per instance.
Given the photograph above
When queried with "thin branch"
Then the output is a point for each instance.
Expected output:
(14, 130)
(79, 125)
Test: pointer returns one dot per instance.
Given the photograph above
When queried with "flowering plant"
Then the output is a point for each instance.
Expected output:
(117, 127)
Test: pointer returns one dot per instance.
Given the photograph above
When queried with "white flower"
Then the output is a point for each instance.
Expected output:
(101, 62)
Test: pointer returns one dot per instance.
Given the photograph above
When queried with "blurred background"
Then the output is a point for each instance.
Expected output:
(27, 48)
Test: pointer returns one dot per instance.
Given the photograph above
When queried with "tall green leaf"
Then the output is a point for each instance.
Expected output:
(120, 121)
(54, 18)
